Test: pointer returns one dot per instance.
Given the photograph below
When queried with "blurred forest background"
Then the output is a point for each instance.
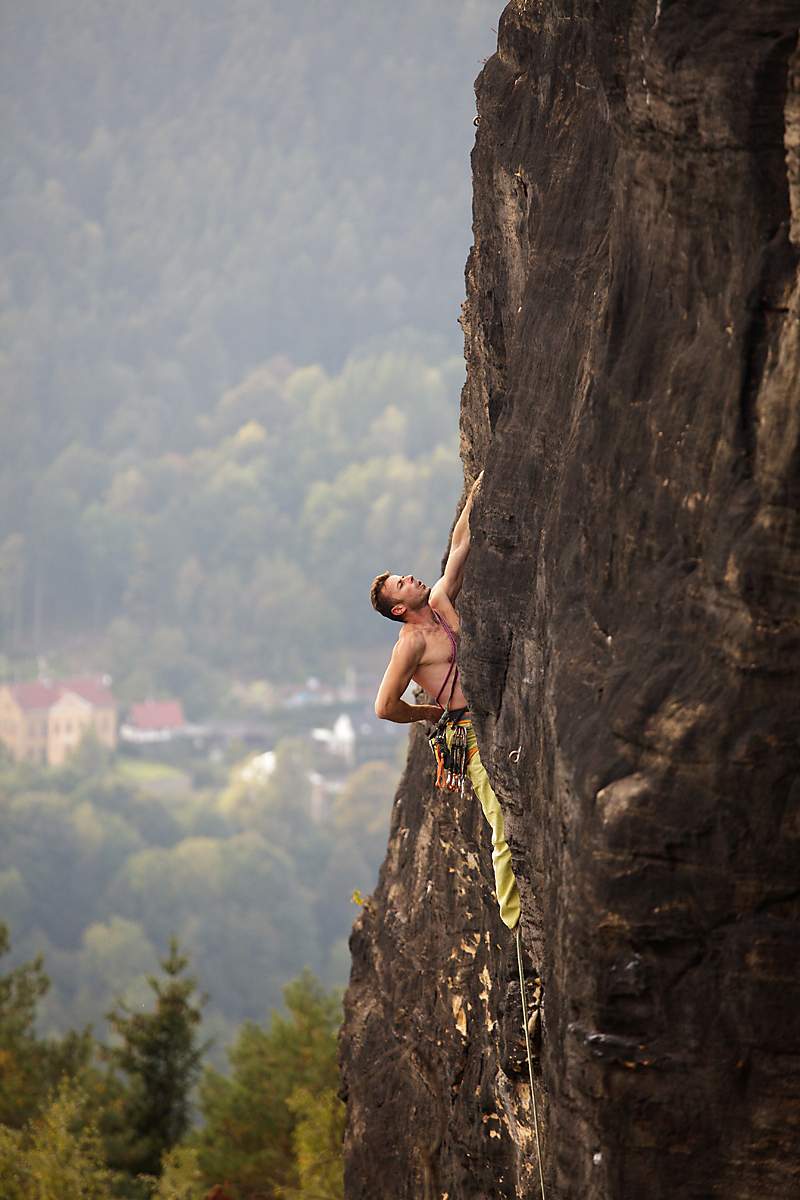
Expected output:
(233, 242)
(232, 246)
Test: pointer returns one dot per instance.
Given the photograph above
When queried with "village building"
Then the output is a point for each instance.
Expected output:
(43, 720)
(157, 714)
(154, 721)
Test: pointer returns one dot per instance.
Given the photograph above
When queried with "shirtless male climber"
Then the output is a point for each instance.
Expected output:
(425, 652)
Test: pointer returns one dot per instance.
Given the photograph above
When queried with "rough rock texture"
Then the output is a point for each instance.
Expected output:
(630, 638)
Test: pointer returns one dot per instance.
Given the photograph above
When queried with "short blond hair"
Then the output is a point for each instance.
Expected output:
(381, 603)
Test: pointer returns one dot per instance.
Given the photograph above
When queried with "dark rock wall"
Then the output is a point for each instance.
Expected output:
(630, 637)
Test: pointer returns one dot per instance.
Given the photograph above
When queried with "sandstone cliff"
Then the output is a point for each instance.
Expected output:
(630, 638)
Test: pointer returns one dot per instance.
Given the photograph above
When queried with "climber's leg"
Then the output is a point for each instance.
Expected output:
(505, 883)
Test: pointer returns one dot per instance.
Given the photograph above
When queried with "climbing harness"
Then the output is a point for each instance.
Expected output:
(530, 1056)
(452, 759)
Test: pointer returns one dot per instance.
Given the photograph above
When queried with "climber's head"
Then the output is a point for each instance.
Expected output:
(395, 596)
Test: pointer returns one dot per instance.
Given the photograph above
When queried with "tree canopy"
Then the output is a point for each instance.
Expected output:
(99, 875)
(273, 1120)
(160, 1056)
(272, 1129)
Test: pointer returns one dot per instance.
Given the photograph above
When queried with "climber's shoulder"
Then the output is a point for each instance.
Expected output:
(410, 646)
(442, 605)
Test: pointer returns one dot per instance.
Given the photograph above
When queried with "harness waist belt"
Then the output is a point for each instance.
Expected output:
(458, 716)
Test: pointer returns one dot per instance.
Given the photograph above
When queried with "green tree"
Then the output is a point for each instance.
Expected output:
(317, 1141)
(181, 1178)
(244, 902)
(66, 851)
(59, 1155)
(362, 809)
(161, 1059)
(152, 467)
(30, 1066)
(250, 1124)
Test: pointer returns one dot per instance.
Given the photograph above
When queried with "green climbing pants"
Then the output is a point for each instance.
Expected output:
(504, 881)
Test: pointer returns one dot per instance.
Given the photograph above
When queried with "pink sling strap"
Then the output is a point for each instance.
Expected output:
(452, 664)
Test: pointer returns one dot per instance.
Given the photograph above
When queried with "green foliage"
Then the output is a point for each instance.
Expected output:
(361, 810)
(181, 1178)
(258, 545)
(58, 1155)
(252, 1132)
(161, 1059)
(273, 1128)
(29, 1065)
(64, 850)
(360, 820)
(241, 899)
(98, 874)
(317, 1141)
(278, 807)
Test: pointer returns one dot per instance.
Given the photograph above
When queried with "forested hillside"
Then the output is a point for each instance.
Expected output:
(252, 551)
(224, 227)
(98, 875)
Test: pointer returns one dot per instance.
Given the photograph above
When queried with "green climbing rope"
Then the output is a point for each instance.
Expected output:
(530, 1057)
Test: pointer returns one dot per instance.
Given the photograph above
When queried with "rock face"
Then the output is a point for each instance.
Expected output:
(630, 638)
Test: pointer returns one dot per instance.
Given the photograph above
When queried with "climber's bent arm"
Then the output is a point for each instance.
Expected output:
(389, 705)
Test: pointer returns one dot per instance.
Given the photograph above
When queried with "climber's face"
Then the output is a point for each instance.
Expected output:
(405, 593)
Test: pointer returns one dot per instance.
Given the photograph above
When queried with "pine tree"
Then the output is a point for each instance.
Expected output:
(266, 1122)
(161, 1059)
(30, 1066)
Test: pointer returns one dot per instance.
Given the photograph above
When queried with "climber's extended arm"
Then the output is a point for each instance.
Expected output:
(389, 705)
(449, 585)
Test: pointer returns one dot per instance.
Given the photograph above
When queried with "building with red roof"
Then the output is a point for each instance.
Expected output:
(43, 720)
(152, 721)
(157, 714)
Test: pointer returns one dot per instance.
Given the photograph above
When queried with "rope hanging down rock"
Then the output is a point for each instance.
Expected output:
(517, 937)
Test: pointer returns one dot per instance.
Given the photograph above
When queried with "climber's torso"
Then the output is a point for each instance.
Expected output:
(435, 651)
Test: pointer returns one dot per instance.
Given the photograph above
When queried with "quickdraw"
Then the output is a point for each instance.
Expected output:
(451, 760)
